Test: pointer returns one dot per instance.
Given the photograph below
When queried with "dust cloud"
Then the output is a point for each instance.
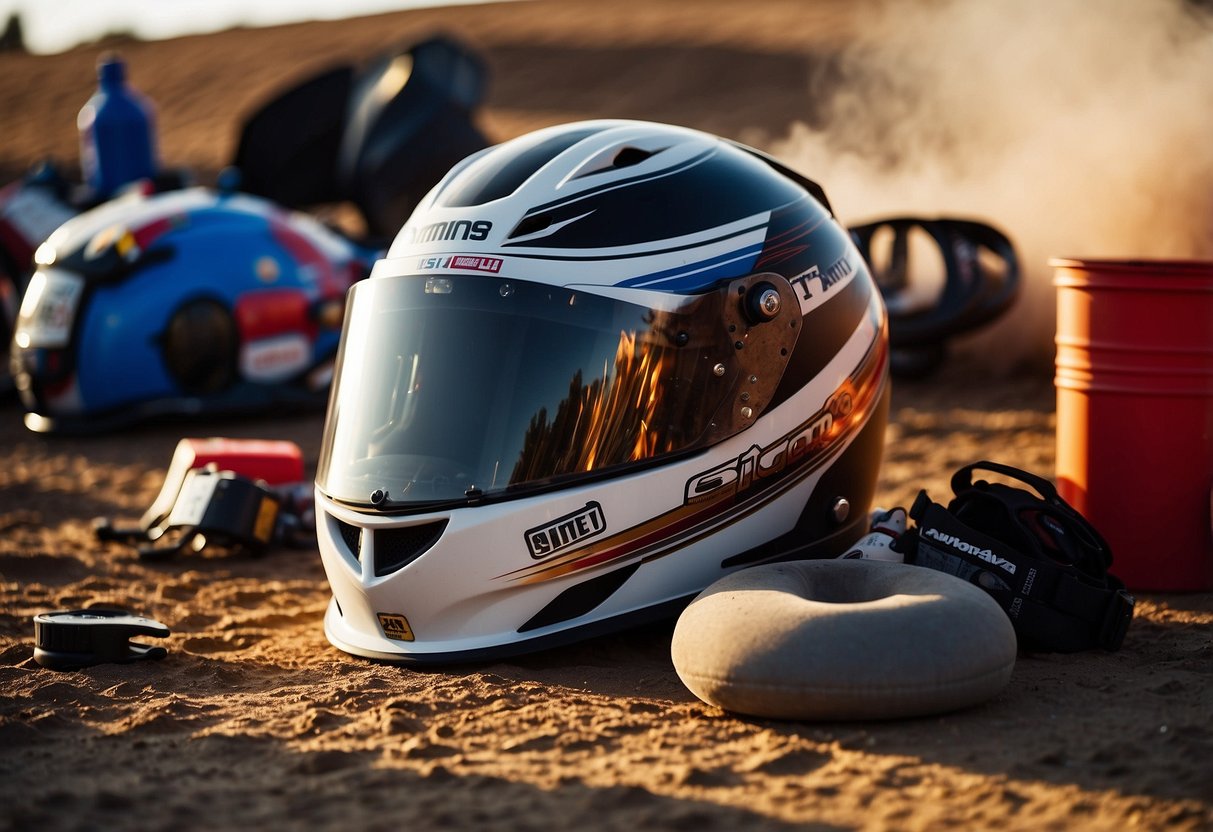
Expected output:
(1079, 129)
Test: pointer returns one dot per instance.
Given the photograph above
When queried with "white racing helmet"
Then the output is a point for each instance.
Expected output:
(601, 366)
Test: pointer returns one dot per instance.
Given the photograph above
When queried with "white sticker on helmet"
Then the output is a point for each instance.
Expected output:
(275, 359)
(815, 286)
(48, 309)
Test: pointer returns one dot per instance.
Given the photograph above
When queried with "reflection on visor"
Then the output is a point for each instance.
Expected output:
(473, 386)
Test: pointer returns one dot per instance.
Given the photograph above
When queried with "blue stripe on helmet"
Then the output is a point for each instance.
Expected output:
(692, 276)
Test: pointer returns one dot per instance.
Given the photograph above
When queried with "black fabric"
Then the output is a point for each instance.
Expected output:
(287, 148)
(1034, 554)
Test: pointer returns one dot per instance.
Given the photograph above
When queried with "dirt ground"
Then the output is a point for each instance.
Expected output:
(254, 720)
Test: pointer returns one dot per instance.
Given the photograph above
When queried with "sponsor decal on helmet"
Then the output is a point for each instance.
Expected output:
(395, 626)
(566, 531)
(814, 284)
(48, 310)
(477, 230)
(275, 359)
(756, 463)
(462, 262)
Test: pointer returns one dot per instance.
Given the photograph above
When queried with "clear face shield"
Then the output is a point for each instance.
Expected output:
(450, 389)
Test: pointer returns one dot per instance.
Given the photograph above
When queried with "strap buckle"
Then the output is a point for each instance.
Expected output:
(1116, 620)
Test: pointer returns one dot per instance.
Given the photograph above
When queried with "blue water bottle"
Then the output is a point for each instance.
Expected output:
(117, 132)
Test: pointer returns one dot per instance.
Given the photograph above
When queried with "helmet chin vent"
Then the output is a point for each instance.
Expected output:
(580, 599)
(396, 548)
(352, 535)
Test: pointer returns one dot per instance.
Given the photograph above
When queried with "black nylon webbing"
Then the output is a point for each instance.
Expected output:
(1053, 607)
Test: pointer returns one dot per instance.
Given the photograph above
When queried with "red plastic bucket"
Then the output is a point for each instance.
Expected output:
(1135, 413)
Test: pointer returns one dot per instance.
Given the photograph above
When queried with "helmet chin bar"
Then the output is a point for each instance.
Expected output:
(762, 318)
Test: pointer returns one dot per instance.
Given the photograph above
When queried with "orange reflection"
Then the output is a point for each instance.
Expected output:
(622, 417)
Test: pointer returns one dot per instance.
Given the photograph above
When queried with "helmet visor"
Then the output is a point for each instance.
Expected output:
(450, 388)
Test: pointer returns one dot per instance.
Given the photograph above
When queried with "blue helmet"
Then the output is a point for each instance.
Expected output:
(185, 302)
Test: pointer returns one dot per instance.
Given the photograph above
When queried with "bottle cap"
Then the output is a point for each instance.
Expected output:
(111, 68)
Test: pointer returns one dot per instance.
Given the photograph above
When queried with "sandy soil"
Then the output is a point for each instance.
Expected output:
(253, 719)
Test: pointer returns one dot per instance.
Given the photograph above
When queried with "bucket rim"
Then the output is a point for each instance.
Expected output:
(1131, 264)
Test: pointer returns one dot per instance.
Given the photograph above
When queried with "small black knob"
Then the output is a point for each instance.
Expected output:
(763, 303)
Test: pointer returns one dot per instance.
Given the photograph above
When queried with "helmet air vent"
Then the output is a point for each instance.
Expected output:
(624, 157)
(352, 535)
(513, 164)
(628, 156)
(580, 599)
(397, 548)
(531, 225)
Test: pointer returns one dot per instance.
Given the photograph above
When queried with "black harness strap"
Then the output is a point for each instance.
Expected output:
(1042, 561)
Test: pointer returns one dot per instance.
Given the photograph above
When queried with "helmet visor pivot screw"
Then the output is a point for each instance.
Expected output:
(763, 303)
